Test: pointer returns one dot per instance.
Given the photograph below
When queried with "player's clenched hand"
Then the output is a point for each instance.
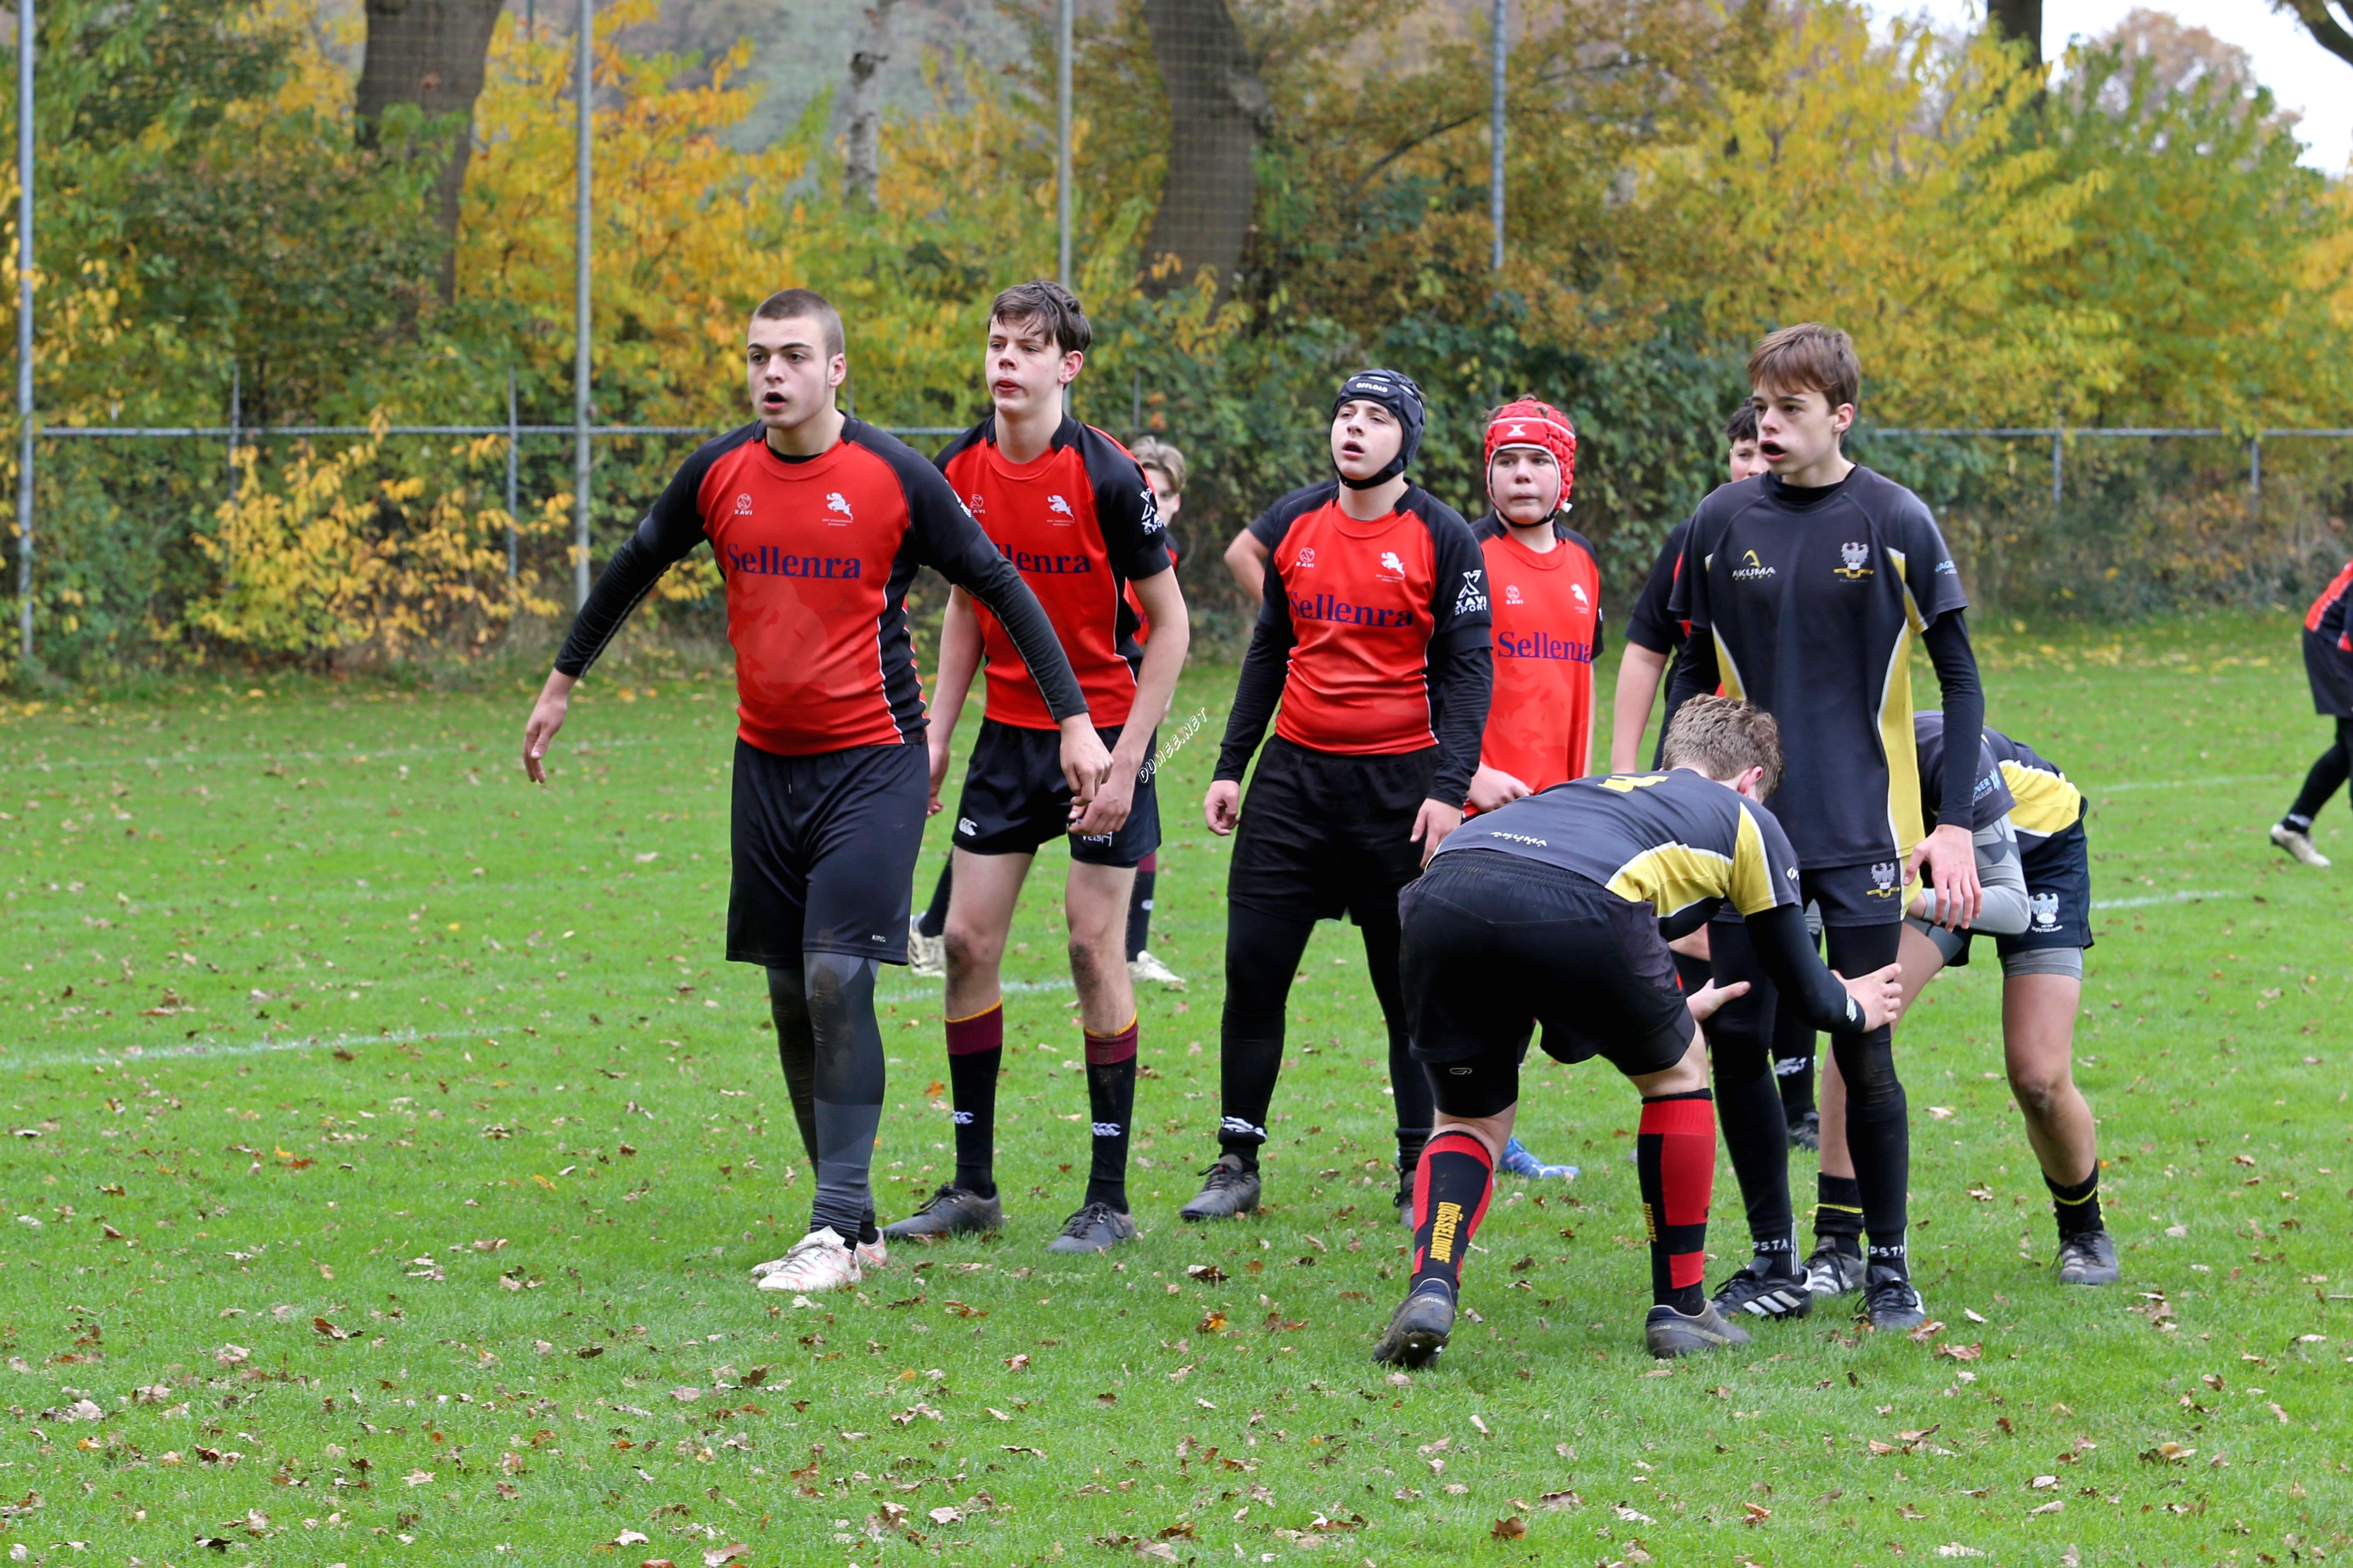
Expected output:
(547, 718)
(1491, 787)
(1952, 862)
(1431, 823)
(1108, 812)
(1705, 1001)
(937, 744)
(1879, 993)
(1222, 807)
(1085, 762)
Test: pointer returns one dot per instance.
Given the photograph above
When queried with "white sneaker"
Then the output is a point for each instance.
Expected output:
(820, 1260)
(927, 957)
(873, 1254)
(1145, 969)
(2299, 844)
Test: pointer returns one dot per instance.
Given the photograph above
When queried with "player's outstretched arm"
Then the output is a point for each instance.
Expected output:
(1246, 559)
(1257, 690)
(1156, 684)
(1640, 670)
(547, 718)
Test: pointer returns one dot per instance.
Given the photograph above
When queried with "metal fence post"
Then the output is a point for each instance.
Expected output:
(582, 459)
(514, 453)
(1062, 139)
(236, 420)
(1495, 135)
(25, 330)
(2255, 482)
(2058, 469)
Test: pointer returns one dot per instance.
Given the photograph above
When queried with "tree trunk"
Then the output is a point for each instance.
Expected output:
(1218, 111)
(2020, 21)
(433, 54)
(861, 173)
(2325, 28)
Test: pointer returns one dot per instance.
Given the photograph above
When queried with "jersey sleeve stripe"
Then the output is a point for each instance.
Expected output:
(2047, 803)
(1727, 669)
(1672, 876)
(1752, 885)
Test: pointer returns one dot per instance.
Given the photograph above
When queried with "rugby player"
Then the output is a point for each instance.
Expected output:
(819, 522)
(2036, 868)
(1805, 588)
(2328, 666)
(1543, 588)
(1551, 911)
(1071, 510)
(1653, 642)
(1372, 637)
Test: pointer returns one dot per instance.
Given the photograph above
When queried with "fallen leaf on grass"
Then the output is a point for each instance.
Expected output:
(2054, 1506)
(1631, 1516)
(719, 1556)
(1511, 1527)
(418, 1477)
(1207, 1273)
(589, 1353)
(631, 1538)
(946, 1516)
(328, 1329)
(1955, 1549)
(2168, 1454)
(1561, 1500)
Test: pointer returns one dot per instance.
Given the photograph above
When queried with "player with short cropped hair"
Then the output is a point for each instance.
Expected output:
(2328, 666)
(1553, 910)
(1072, 511)
(1806, 589)
(819, 521)
(1373, 639)
(2041, 928)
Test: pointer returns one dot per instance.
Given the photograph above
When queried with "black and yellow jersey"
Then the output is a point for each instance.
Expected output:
(1990, 801)
(2047, 802)
(1812, 600)
(1671, 840)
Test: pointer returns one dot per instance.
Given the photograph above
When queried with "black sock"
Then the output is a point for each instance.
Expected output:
(1878, 1117)
(796, 1052)
(1111, 1095)
(1747, 1104)
(849, 1087)
(2077, 1206)
(975, 1052)
(1793, 1062)
(1451, 1188)
(2328, 773)
(1838, 1213)
(935, 918)
(1139, 906)
(1263, 955)
(1409, 1079)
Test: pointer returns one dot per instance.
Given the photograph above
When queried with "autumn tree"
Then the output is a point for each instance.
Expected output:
(428, 55)
(2330, 22)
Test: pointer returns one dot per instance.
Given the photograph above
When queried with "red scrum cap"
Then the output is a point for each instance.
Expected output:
(1528, 421)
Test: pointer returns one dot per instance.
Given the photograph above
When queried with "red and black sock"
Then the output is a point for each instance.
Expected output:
(1139, 906)
(1674, 1158)
(1451, 1188)
(976, 1050)
(1111, 1095)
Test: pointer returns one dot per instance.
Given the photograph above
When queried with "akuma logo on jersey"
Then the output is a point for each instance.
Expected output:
(768, 560)
(1856, 556)
(835, 501)
(1059, 507)
(1512, 594)
(1884, 883)
(743, 506)
(1750, 569)
(2045, 907)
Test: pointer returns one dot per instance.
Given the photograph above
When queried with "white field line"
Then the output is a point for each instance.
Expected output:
(209, 1050)
(192, 757)
(2216, 781)
(2185, 897)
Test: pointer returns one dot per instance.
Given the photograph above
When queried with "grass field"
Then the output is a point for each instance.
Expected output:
(389, 1144)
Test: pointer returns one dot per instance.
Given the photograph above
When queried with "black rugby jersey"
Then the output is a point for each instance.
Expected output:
(1812, 600)
(2047, 802)
(1990, 801)
(1671, 840)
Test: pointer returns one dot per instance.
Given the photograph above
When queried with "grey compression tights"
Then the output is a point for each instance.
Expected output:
(832, 1051)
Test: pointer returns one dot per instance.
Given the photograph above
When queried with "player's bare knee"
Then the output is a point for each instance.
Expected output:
(1093, 958)
(971, 949)
(1492, 1132)
(2038, 1090)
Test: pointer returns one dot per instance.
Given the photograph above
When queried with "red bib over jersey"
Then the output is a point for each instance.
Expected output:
(1547, 633)
(1077, 522)
(1360, 597)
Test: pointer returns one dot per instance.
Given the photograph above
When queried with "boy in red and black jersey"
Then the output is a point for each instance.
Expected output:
(2328, 666)
(1544, 589)
(819, 523)
(1372, 637)
(1071, 510)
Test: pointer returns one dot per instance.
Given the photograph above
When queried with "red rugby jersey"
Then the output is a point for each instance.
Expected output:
(816, 554)
(2327, 615)
(1077, 522)
(1547, 633)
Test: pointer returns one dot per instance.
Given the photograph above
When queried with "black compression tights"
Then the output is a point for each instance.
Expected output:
(831, 1050)
(1262, 954)
(2328, 775)
(1749, 1105)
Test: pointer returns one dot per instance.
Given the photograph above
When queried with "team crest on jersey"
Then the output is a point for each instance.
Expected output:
(1884, 880)
(1857, 557)
(1389, 562)
(743, 506)
(1512, 594)
(2045, 908)
(1750, 569)
(1059, 507)
(836, 502)
(1578, 590)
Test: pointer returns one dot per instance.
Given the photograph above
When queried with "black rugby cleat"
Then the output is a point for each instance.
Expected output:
(1890, 1301)
(1757, 1294)
(1667, 1333)
(1419, 1328)
(950, 1211)
(1229, 1189)
(2088, 1259)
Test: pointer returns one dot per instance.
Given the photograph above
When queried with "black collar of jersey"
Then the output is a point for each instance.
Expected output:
(1805, 498)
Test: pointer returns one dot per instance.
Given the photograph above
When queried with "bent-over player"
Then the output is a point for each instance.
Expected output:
(1555, 910)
